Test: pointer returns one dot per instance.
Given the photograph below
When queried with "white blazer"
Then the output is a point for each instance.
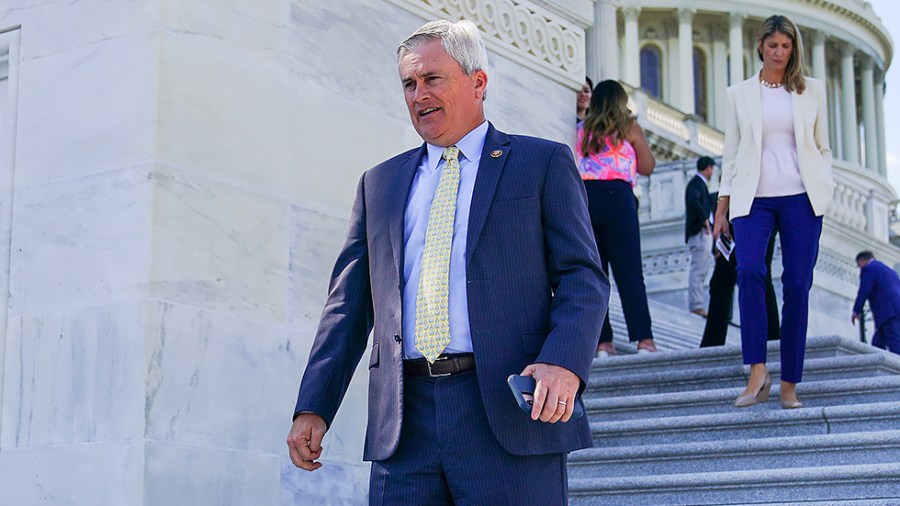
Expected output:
(743, 145)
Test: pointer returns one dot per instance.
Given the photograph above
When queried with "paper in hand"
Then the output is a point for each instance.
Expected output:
(725, 245)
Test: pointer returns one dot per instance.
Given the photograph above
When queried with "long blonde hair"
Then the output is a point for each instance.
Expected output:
(793, 74)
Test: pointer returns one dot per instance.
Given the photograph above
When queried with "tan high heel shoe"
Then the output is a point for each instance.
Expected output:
(761, 396)
(791, 404)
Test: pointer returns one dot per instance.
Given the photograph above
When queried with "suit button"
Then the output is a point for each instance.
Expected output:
(397, 338)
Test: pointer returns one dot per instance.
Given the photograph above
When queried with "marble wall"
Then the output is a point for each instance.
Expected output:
(183, 172)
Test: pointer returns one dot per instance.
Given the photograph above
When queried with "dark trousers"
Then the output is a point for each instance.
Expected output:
(799, 229)
(448, 455)
(613, 210)
(721, 299)
(887, 335)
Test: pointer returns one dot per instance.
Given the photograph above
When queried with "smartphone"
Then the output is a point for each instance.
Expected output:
(523, 390)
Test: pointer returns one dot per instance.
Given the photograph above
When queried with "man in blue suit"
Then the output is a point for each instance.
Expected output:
(468, 259)
(881, 286)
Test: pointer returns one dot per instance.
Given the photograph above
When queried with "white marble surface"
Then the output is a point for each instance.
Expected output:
(316, 240)
(331, 485)
(178, 474)
(74, 475)
(522, 101)
(218, 246)
(55, 27)
(184, 175)
(268, 129)
(86, 110)
(75, 377)
(357, 50)
(217, 380)
(261, 26)
(80, 241)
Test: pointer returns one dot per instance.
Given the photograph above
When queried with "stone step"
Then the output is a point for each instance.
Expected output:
(747, 423)
(848, 502)
(673, 328)
(735, 376)
(765, 453)
(779, 485)
(813, 394)
(720, 356)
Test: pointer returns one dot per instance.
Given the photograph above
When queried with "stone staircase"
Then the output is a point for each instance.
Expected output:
(666, 432)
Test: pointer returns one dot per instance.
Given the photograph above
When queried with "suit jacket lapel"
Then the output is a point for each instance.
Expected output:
(797, 103)
(754, 105)
(489, 170)
(402, 182)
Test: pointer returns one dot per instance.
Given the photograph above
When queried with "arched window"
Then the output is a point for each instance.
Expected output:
(701, 104)
(651, 70)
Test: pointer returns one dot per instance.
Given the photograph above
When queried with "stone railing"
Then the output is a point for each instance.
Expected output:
(673, 134)
(863, 201)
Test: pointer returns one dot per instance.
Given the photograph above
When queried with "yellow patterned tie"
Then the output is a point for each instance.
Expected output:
(432, 315)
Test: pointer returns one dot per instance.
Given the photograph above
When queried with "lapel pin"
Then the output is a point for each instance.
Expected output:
(496, 153)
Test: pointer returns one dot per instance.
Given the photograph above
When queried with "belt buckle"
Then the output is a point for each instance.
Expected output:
(428, 366)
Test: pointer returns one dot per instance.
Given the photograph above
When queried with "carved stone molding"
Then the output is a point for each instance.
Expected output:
(736, 20)
(838, 267)
(666, 262)
(818, 37)
(860, 13)
(631, 13)
(686, 15)
(520, 30)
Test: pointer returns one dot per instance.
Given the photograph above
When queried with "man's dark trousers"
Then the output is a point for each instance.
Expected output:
(721, 299)
(446, 433)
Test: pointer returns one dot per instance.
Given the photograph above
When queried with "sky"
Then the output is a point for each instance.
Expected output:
(889, 12)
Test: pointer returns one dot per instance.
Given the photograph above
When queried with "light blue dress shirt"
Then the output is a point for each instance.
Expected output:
(418, 206)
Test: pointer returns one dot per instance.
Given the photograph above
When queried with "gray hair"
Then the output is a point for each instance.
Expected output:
(461, 40)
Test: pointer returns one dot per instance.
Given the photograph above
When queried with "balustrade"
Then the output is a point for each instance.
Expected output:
(862, 203)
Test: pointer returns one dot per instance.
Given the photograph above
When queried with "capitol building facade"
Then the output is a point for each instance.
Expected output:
(678, 61)
(176, 178)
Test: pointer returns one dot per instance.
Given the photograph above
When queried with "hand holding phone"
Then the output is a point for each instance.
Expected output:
(523, 390)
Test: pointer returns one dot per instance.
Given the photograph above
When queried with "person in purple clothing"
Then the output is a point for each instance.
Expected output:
(880, 285)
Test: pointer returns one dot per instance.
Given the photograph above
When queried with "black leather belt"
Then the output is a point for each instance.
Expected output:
(445, 365)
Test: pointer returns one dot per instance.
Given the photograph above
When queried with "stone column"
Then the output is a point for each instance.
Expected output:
(718, 96)
(603, 52)
(848, 105)
(631, 64)
(879, 123)
(818, 54)
(671, 83)
(835, 119)
(686, 60)
(736, 47)
(870, 119)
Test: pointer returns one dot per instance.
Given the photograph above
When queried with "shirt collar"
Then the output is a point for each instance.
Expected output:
(703, 177)
(470, 147)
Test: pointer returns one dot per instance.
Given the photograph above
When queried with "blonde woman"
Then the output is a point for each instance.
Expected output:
(612, 151)
(776, 175)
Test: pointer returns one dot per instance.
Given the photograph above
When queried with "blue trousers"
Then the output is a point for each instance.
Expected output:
(799, 229)
(448, 455)
(614, 218)
(887, 336)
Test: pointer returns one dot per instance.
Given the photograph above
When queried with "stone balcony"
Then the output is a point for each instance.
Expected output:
(862, 205)
(673, 134)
